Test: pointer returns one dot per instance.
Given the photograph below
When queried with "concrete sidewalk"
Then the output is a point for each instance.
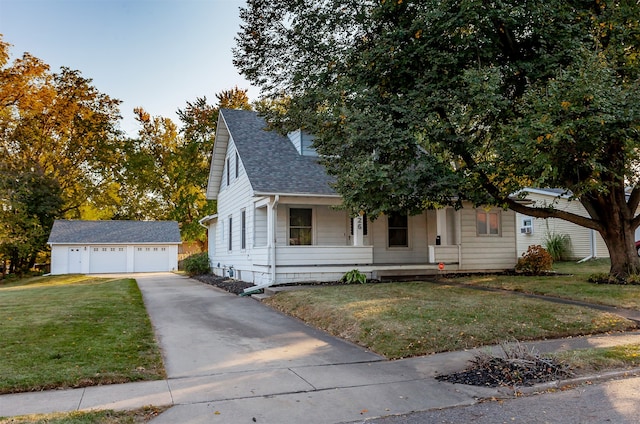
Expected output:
(233, 360)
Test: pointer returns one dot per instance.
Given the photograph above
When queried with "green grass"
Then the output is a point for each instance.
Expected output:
(600, 359)
(74, 331)
(137, 416)
(408, 319)
(569, 283)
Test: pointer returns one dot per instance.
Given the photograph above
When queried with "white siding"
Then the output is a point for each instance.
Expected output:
(260, 225)
(332, 226)
(232, 198)
(416, 253)
(486, 252)
(580, 237)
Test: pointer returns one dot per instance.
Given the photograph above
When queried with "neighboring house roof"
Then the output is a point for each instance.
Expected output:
(554, 192)
(121, 232)
(270, 160)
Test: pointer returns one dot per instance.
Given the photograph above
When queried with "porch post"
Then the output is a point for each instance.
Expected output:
(358, 231)
(441, 226)
(272, 217)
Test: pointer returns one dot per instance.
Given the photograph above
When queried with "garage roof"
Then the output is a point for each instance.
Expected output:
(111, 232)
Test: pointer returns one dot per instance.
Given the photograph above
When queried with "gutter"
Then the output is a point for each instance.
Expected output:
(332, 196)
(207, 218)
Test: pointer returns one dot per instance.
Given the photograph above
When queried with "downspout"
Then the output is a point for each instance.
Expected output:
(592, 247)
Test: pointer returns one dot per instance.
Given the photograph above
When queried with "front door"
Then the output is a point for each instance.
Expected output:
(75, 260)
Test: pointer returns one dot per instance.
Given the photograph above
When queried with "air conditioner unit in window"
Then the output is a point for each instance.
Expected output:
(525, 230)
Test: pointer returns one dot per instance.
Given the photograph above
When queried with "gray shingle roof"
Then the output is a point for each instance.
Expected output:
(124, 232)
(270, 160)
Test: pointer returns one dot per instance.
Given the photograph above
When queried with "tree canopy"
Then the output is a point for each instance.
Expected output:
(428, 103)
(62, 155)
(165, 169)
(59, 142)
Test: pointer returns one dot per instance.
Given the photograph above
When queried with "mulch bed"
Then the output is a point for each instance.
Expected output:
(492, 371)
(225, 283)
(237, 287)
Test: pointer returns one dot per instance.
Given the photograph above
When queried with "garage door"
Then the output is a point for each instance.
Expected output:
(108, 259)
(151, 259)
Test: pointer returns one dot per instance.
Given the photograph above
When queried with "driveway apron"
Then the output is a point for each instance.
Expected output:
(203, 330)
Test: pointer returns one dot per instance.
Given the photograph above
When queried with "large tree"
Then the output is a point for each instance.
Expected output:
(29, 203)
(59, 142)
(423, 103)
(165, 172)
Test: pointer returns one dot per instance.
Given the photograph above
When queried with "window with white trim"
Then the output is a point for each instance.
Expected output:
(300, 226)
(230, 234)
(488, 222)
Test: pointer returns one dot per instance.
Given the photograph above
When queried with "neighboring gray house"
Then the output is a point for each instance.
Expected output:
(90, 247)
(277, 221)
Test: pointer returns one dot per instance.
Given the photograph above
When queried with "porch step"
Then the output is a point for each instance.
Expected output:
(270, 291)
(260, 296)
(404, 274)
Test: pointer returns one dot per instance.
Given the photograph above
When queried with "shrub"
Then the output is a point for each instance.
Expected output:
(558, 245)
(604, 278)
(354, 276)
(536, 260)
(197, 264)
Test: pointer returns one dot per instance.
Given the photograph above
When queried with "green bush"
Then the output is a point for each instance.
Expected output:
(536, 260)
(354, 276)
(558, 245)
(197, 264)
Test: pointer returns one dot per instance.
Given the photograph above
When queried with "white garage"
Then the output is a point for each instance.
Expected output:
(102, 247)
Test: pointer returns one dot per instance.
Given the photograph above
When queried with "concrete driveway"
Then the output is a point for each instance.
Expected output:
(233, 360)
(203, 330)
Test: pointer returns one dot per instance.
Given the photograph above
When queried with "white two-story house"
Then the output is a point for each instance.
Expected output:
(277, 220)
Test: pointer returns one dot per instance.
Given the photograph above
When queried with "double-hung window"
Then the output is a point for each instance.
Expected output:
(488, 222)
(243, 229)
(230, 234)
(300, 226)
(398, 230)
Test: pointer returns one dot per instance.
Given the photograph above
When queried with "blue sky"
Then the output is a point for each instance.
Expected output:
(157, 54)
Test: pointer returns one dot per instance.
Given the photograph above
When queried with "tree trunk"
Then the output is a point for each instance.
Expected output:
(610, 214)
(622, 250)
(617, 229)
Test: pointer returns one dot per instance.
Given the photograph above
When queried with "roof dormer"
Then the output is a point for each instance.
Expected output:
(303, 143)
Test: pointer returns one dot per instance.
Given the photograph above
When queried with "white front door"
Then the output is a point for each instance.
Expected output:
(75, 260)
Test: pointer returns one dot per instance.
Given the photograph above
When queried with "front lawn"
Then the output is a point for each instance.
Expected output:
(409, 319)
(570, 282)
(73, 331)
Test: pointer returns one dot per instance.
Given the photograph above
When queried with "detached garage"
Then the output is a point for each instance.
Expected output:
(104, 247)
